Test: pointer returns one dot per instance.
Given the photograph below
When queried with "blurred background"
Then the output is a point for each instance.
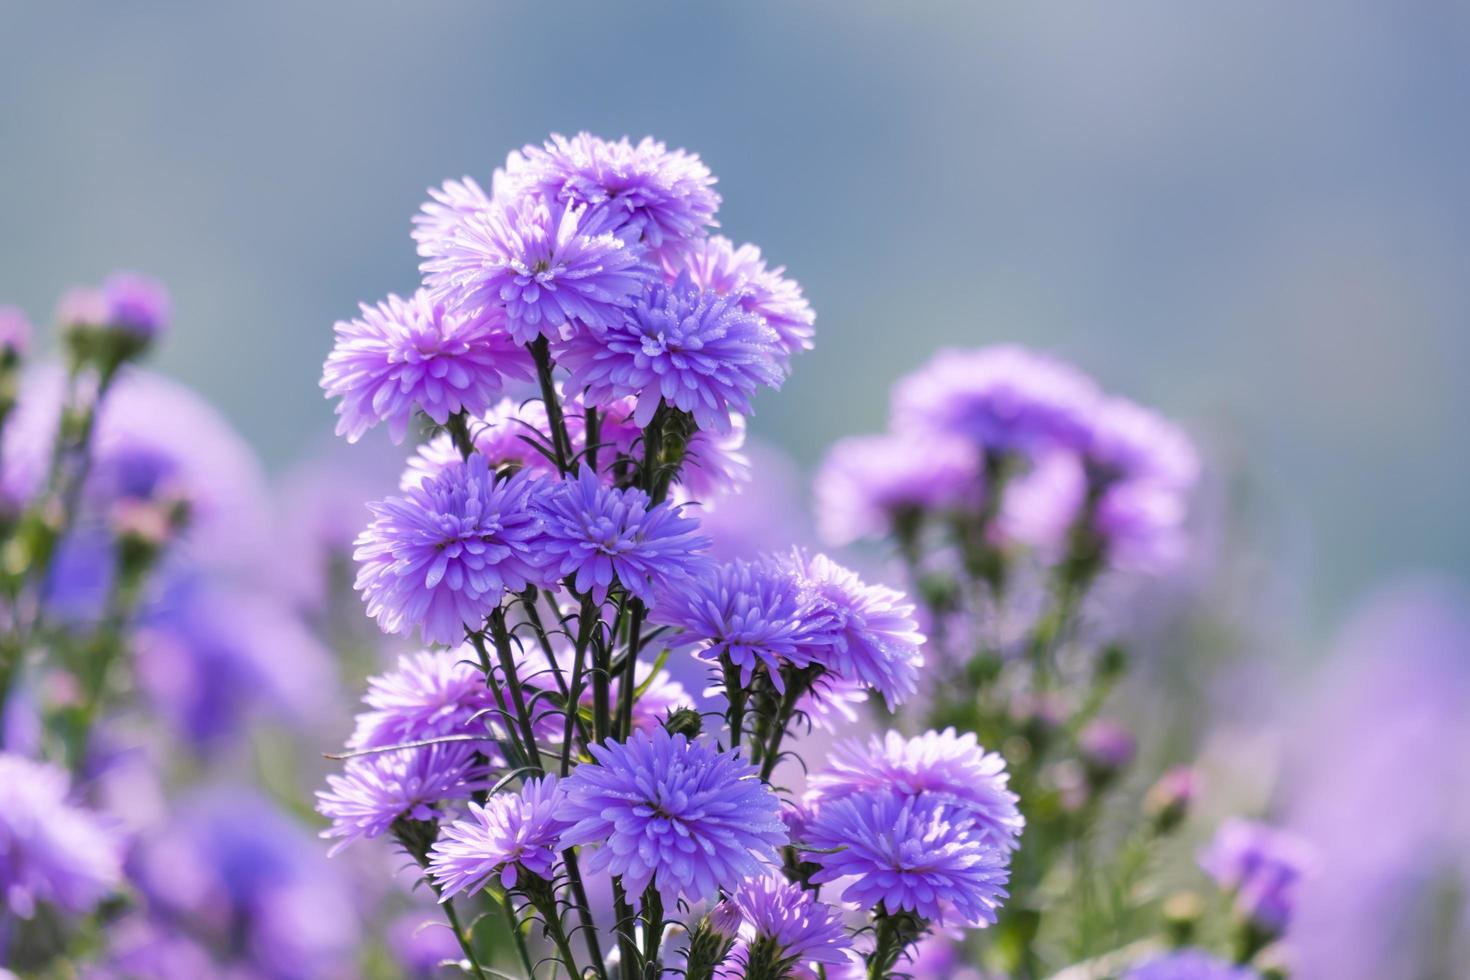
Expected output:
(1254, 217)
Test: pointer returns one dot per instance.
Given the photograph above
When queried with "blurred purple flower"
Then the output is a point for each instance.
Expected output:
(646, 192)
(1188, 964)
(51, 850)
(404, 355)
(15, 332)
(689, 349)
(868, 483)
(942, 766)
(442, 556)
(512, 833)
(421, 943)
(678, 815)
(594, 535)
(1262, 866)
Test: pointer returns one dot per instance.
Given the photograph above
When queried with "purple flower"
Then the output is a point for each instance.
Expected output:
(1107, 745)
(678, 815)
(375, 790)
(867, 484)
(15, 332)
(135, 304)
(715, 264)
(551, 269)
(442, 556)
(940, 766)
(1188, 964)
(1004, 398)
(421, 944)
(691, 349)
(783, 923)
(51, 851)
(595, 535)
(430, 694)
(913, 853)
(447, 207)
(511, 833)
(1262, 865)
(403, 355)
(648, 193)
(870, 636)
(754, 614)
(713, 461)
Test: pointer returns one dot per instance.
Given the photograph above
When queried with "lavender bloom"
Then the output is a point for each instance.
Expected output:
(595, 535)
(785, 922)
(940, 766)
(1004, 398)
(676, 814)
(442, 556)
(690, 349)
(422, 944)
(831, 703)
(447, 207)
(135, 304)
(869, 484)
(1188, 964)
(715, 264)
(870, 636)
(1107, 745)
(403, 355)
(51, 851)
(375, 790)
(550, 268)
(510, 834)
(430, 694)
(15, 332)
(753, 614)
(1127, 442)
(916, 853)
(663, 198)
(1262, 865)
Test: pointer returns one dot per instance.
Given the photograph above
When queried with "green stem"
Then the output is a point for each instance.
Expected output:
(520, 940)
(503, 650)
(561, 443)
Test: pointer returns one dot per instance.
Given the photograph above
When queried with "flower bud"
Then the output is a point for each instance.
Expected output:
(684, 721)
(1170, 799)
(1107, 748)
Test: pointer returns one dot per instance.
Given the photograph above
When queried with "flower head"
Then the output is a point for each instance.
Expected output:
(782, 923)
(442, 556)
(688, 348)
(375, 790)
(913, 853)
(552, 269)
(870, 634)
(596, 535)
(511, 833)
(1127, 442)
(1262, 865)
(1188, 964)
(869, 484)
(676, 814)
(407, 354)
(136, 304)
(753, 614)
(15, 332)
(447, 207)
(50, 849)
(941, 766)
(1004, 398)
(430, 694)
(714, 263)
(650, 194)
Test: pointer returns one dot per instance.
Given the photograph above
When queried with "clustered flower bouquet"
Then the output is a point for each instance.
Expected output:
(852, 783)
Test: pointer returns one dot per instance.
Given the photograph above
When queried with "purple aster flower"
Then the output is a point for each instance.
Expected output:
(442, 556)
(51, 851)
(679, 815)
(15, 332)
(714, 263)
(422, 944)
(755, 614)
(136, 304)
(649, 193)
(831, 702)
(783, 923)
(1262, 865)
(688, 348)
(1107, 745)
(913, 853)
(550, 268)
(510, 834)
(430, 694)
(403, 355)
(942, 766)
(870, 636)
(1188, 964)
(1004, 398)
(868, 484)
(447, 207)
(1127, 442)
(375, 790)
(594, 535)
